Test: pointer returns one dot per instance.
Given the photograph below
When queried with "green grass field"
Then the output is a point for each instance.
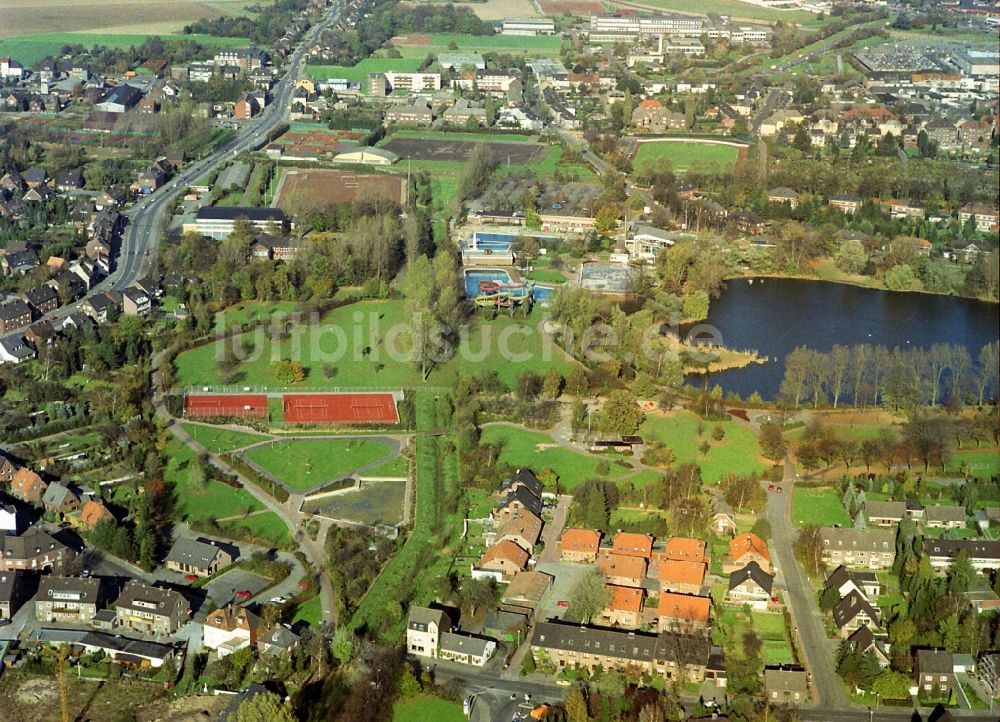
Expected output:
(267, 527)
(684, 156)
(424, 707)
(520, 449)
(510, 352)
(977, 462)
(29, 49)
(205, 501)
(769, 625)
(304, 463)
(360, 71)
(776, 652)
(818, 506)
(857, 432)
(310, 612)
(249, 312)
(737, 453)
(543, 46)
(393, 467)
(732, 8)
(218, 440)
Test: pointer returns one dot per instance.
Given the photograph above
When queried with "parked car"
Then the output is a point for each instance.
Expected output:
(562, 603)
(243, 594)
(190, 577)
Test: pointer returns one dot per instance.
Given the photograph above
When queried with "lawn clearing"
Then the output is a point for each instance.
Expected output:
(360, 71)
(820, 506)
(198, 500)
(424, 707)
(737, 453)
(267, 528)
(538, 451)
(688, 154)
(376, 502)
(310, 612)
(983, 464)
(218, 440)
(769, 625)
(302, 464)
(398, 467)
(251, 312)
(504, 345)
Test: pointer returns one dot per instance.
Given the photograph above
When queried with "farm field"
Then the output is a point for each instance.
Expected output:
(539, 452)
(492, 9)
(737, 453)
(198, 366)
(424, 707)
(302, 191)
(304, 463)
(360, 71)
(218, 440)
(818, 506)
(376, 502)
(28, 17)
(983, 463)
(684, 156)
(572, 7)
(29, 49)
(420, 45)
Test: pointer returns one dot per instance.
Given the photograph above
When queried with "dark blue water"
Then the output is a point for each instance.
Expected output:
(774, 316)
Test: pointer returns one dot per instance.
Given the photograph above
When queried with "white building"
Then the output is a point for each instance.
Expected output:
(529, 26)
(424, 628)
(229, 629)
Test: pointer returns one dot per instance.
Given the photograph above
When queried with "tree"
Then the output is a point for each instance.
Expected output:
(607, 218)
(772, 442)
(552, 386)
(409, 685)
(695, 307)
(286, 373)
(652, 712)
(743, 493)
(263, 707)
(809, 549)
(851, 257)
(762, 528)
(576, 707)
(622, 413)
(590, 596)
(892, 685)
(477, 593)
(900, 278)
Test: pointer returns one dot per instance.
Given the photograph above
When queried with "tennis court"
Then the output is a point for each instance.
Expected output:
(364, 408)
(226, 405)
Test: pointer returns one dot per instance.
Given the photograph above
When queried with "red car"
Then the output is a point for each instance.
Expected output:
(562, 603)
(190, 577)
(303, 584)
(243, 594)
(770, 487)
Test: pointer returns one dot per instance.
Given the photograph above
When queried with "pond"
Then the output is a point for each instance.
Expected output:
(774, 316)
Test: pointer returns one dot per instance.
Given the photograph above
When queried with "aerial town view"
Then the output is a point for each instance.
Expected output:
(499, 360)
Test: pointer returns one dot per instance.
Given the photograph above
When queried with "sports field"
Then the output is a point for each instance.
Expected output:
(218, 440)
(29, 49)
(376, 408)
(459, 149)
(686, 155)
(302, 191)
(213, 406)
(334, 352)
(360, 71)
(304, 463)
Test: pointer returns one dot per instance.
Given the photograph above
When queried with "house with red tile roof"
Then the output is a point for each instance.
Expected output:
(579, 545)
(633, 545)
(28, 486)
(625, 607)
(621, 570)
(682, 577)
(746, 548)
(685, 613)
(505, 557)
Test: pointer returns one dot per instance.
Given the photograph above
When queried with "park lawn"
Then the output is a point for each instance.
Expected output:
(209, 501)
(635, 516)
(218, 440)
(424, 707)
(30, 49)
(820, 506)
(307, 462)
(855, 432)
(250, 312)
(360, 71)
(737, 453)
(267, 527)
(393, 467)
(368, 324)
(977, 462)
(520, 450)
(684, 156)
(546, 276)
(310, 611)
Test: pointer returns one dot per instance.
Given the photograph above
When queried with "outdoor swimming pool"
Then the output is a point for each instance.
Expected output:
(500, 241)
(473, 277)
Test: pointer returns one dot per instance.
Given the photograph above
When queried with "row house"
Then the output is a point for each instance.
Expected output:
(624, 608)
(42, 299)
(622, 571)
(846, 203)
(34, 550)
(27, 486)
(524, 530)
(845, 581)
(14, 315)
(987, 218)
(682, 577)
(853, 612)
(67, 600)
(866, 548)
(934, 672)
(579, 545)
(884, 513)
(684, 613)
(944, 517)
(676, 657)
(151, 610)
(911, 209)
(983, 554)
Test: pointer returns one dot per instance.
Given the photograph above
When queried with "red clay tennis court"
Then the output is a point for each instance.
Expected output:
(340, 408)
(226, 405)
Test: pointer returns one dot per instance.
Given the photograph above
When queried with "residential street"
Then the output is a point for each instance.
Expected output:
(800, 598)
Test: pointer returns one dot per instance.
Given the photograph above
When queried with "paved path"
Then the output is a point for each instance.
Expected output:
(801, 599)
(553, 530)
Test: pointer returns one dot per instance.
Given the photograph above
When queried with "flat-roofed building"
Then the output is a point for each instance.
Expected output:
(218, 222)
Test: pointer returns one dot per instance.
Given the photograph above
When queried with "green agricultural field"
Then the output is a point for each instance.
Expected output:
(267, 527)
(732, 8)
(424, 707)
(30, 49)
(684, 156)
(218, 440)
(737, 453)
(522, 449)
(198, 500)
(361, 71)
(369, 324)
(376, 502)
(818, 506)
(548, 46)
(304, 463)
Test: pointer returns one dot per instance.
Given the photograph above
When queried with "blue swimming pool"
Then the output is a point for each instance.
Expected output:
(473, 277)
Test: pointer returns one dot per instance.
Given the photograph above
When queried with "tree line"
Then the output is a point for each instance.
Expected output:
(871, 375)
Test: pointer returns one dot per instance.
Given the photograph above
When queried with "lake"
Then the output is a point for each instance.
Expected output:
(773, 316)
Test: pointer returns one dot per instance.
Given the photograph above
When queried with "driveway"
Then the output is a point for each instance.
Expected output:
(801, 600)
(553, 530)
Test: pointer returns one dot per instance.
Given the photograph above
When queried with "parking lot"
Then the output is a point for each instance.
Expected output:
(222, 589)
(566, 574)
